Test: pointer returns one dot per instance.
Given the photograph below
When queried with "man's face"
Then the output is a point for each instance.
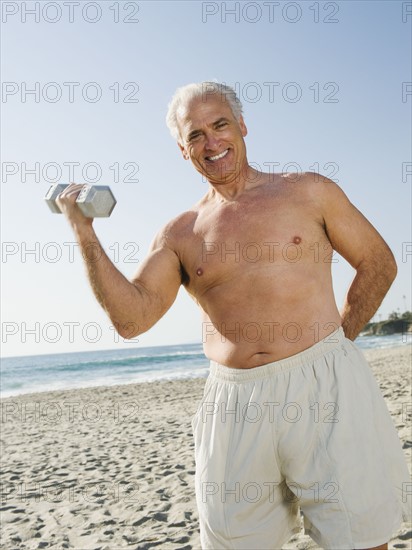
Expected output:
(212, 138)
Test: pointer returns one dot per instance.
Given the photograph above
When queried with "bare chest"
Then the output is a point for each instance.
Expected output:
(227, 242)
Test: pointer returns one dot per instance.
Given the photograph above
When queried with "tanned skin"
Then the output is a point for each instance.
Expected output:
(255, 253)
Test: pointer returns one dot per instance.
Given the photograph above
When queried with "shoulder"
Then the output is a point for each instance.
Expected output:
(175, 230)
(317, 186)
(309, 179)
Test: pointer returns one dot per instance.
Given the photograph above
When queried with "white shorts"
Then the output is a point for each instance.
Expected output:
(309, 432)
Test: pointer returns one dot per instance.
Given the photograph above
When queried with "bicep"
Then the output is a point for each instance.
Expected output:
(158, 279)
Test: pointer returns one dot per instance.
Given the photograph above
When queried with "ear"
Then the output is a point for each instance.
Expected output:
(242, 126)
(183, 150)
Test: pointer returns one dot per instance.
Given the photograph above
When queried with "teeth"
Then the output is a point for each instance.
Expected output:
(217, 157)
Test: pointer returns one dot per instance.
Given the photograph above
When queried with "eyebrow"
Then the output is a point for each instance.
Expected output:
(221, 119)
(215, 123)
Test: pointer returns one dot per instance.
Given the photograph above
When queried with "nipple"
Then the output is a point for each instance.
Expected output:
(297, 240)
(199, 271)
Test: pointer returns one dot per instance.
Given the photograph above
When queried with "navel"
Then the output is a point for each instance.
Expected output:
(297, 240)
(199, 271)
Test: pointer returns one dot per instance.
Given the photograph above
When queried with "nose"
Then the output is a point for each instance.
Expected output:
(211, 141)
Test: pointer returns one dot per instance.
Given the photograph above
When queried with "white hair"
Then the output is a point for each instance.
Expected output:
(186, 93)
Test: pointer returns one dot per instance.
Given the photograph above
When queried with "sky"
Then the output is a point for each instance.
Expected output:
(326, 87)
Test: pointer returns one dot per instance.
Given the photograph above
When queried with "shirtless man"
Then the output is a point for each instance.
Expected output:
(255, 254)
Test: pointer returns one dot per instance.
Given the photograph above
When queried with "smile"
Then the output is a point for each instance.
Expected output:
(217, 157)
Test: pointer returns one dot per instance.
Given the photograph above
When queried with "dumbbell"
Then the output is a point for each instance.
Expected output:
(95, 201)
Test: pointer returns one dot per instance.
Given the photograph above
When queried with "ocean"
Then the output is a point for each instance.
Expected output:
(28, 374)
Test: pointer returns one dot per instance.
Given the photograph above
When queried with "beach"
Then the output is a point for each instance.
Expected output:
(113, 467)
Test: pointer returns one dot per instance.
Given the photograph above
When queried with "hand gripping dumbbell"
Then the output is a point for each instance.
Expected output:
(95, 201)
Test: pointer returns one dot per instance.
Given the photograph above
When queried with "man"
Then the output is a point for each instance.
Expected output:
(292, 416)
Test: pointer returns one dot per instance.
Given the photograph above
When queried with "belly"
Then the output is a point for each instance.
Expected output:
(264, 316)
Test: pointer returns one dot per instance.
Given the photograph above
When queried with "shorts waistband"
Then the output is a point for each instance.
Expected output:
(330, 343)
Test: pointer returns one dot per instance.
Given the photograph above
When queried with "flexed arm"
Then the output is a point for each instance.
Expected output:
(133, 306)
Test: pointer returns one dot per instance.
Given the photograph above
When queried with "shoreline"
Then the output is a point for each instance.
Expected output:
(369, 353)
(112, 467)
(104, 387)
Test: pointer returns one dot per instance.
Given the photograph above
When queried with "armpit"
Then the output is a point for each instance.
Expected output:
(184, 276)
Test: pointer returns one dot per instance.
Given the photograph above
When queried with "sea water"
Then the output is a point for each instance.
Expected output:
(20, 375)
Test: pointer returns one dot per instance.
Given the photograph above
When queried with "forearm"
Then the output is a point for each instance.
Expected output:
(365, 294)
(123, 301)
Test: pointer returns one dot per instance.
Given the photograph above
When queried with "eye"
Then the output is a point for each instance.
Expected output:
(193, 137)
(221, 125)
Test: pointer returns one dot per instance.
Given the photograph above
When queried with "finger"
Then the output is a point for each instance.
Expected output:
(69, 194)
(72, 188)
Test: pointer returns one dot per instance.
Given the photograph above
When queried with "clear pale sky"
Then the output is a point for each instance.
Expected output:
(324, 86)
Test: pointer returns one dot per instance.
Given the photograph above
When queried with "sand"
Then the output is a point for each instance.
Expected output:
(113, 467)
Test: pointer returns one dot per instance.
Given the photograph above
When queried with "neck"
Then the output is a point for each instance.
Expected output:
(231, 189)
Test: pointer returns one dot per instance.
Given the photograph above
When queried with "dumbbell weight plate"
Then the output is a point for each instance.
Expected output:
(96, 201)
(52, 195)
